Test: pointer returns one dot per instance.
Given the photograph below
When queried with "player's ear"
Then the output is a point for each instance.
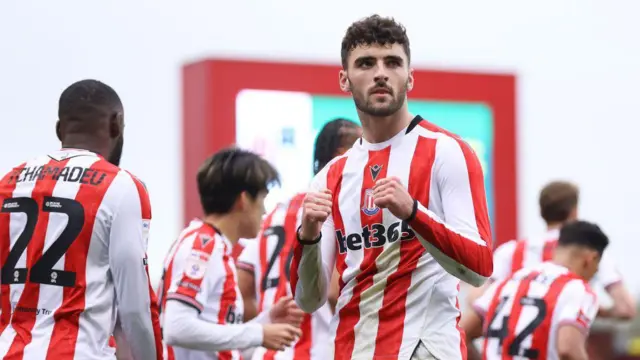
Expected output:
(116, 125)
(410, 80)
(242, 201)
(345, 85)
(59, 130)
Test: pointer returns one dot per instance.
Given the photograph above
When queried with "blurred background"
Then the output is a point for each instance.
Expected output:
(542, 90)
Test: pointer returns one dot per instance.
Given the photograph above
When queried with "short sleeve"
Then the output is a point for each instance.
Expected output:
(608, 273)
(197, 275)
(248, 259)
(577, 305)
(481, 305)
(502, 259)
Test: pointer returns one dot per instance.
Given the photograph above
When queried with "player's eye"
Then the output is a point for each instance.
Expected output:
(366, 63)
(393, 63)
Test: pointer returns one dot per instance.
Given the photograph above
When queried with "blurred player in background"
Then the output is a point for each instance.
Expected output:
(265, 263)
(202, 307)
(73, 234)
(402, 215)
(558, 205)
(544, 311)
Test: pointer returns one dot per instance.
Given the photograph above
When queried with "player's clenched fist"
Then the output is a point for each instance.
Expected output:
(316, 208)
(389, 193)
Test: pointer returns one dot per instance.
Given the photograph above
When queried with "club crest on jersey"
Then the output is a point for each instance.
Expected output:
(375, 171)
(368, 207)
(204, 239)
(196, 265)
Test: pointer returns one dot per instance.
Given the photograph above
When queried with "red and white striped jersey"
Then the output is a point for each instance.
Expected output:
(73, 238)
(517, 254)
(199, 271)
(398, 279)
(239, 247)
(269, 259)
(523, 313)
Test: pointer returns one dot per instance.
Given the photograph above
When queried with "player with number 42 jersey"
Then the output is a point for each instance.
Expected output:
(544, 311)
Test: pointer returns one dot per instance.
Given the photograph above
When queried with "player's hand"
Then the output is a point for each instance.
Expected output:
(389, 193)
(287, 312)
(279, 336)
(316, 208)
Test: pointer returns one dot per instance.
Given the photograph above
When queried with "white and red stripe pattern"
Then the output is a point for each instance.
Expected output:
(60, 259)
(399, 280)
(514, 255)
(200, 272)
(524, 312)
(268, 258)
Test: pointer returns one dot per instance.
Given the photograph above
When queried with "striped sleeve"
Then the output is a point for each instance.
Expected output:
(502, 259)
(312, 265)
(248, 259)
(461, 241)
(137, 310)
(198, 274)
(577, 306)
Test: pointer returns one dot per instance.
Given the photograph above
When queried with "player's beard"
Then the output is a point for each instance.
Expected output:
(116, 153)
(363, 101)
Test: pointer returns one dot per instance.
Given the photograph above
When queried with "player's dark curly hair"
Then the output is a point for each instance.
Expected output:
(329, 140)
(371, 30)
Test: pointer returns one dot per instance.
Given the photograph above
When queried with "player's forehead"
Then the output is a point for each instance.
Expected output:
(377, 51)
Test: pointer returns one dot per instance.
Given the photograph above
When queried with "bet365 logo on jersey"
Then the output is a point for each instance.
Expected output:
(373, 236)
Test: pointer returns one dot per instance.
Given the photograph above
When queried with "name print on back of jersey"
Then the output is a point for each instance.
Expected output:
(77, 174)
(374, 236)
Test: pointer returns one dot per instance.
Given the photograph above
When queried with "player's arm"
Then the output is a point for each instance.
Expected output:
(334, 290)
(186, 299)
(473, 318)
(502, 258)
(184, 327)
(577, 307)
(136, 302)
(246, 265)
(624, 305)
(314, 255)
(461, 241)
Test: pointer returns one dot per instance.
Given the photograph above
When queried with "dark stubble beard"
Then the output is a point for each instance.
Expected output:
(364, 104)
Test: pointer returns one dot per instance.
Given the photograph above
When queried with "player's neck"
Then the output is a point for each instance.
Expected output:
(376, 129)
(564, 258)
(72, 141)
(226, 225)
(554, 226)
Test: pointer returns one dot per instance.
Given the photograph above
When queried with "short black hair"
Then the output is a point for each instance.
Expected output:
(377, 30)
(584, 234)
(230, 172)
(557, 200)
(329, 139)
(87, 100)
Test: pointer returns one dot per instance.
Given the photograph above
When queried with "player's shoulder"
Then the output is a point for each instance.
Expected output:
(335, 164)
(506, 249)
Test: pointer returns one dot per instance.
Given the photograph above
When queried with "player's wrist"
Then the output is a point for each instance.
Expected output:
(414, 211)
(304, 240)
